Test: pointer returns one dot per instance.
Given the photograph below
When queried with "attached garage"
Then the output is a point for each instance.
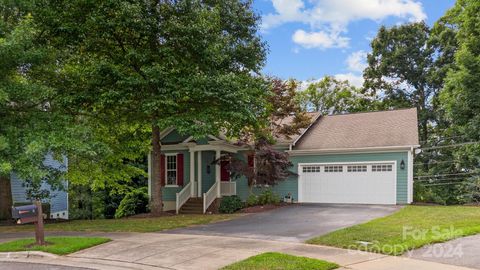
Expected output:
(359, 182)
(358, 158)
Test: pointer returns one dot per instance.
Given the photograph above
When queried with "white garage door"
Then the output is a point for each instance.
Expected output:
(348, 183)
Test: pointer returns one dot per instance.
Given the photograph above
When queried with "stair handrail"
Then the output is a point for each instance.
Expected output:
(182, 197)
(209, 197)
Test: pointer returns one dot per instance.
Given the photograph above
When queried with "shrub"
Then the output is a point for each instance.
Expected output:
(230, 204)
(252, 200)
(268, 197)
(135, 202)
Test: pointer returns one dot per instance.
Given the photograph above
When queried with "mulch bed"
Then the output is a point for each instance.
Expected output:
(150, 215)
(437, 204)
(426, 204)
(11, 222)
(263, 208)
(472, 204)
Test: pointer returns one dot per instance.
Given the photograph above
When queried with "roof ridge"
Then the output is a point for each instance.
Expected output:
(378, 111)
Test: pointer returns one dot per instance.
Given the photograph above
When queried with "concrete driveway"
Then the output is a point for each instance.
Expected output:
(295, 223)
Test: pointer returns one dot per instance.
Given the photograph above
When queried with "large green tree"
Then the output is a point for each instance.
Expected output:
(407, 68)
(25, 118)
(330, 95)
(399, 71)
(155, 64)
(460, 97)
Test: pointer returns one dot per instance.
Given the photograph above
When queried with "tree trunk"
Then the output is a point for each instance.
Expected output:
(156, 203)
(5, 198)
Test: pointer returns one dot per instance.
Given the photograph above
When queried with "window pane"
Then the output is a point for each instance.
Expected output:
(171, 168)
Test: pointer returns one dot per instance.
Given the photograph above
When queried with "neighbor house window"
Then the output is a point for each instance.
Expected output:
(334, 168)
(382, 168)
(171, 170)
(356, 168)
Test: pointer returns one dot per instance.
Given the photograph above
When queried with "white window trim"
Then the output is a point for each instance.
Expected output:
(166, 169)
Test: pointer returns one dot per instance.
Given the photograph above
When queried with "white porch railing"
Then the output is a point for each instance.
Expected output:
(183, 196)
(209, 197)
(228, 188)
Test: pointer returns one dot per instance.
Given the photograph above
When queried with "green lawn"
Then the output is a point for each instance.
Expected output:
(56, 245)
(126, 225)
(279, 261)
(410, 228)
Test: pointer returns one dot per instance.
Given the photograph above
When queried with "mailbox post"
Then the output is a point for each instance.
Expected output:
(39, 230)
(28, 214)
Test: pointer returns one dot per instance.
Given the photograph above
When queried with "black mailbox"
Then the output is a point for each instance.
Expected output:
(25, 214)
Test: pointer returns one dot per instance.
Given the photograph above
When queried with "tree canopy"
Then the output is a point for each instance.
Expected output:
(189, 64)
(330, 96)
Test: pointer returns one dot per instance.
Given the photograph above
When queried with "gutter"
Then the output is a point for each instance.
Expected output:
(349, 150)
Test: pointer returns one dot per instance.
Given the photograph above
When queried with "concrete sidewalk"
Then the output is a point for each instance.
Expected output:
(176, 251)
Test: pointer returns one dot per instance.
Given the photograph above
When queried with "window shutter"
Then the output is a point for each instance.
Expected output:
(251, 159)
(162, 170)
(180, 169)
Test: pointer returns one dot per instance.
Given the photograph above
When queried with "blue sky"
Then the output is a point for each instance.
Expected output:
(309, 39)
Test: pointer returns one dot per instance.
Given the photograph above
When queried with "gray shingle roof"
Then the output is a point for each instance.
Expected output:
(361, 130)
(280, 139)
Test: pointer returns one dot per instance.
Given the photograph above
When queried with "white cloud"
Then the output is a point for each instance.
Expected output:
(357, 61)
(319, 39)
(333, 16)
(286, 11)
(353, 79)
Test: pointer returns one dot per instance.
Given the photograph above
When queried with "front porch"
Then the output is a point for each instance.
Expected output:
(190, 173)
(208, 180)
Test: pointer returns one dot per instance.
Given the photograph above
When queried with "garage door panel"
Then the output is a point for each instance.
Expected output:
(375, 186)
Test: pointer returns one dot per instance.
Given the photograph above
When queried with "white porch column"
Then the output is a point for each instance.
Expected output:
(192, 173)
(217, 173)
(199, 174)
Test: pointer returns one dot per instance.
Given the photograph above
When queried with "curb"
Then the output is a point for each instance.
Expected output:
(27, 254)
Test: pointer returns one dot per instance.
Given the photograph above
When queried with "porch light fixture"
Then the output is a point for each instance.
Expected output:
(402, 165)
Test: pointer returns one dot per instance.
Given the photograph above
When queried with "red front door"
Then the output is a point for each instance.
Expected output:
(224, 174)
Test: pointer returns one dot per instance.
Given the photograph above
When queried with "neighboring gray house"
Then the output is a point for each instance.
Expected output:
(58, 198)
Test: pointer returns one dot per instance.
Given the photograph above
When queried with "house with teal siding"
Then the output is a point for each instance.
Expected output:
(357, 158)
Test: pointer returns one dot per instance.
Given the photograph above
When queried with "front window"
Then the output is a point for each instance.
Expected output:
(171, 170)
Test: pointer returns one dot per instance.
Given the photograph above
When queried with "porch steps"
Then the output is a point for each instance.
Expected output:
(192, 206)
